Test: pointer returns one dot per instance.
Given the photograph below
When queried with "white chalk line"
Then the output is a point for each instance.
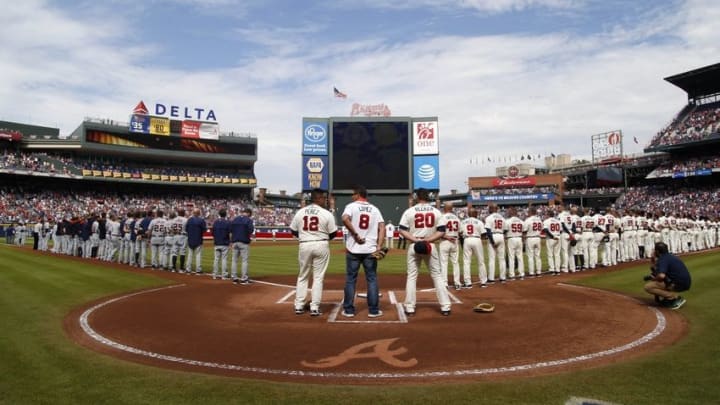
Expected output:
(659, 328)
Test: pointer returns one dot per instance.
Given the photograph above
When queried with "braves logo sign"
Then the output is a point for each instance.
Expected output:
(379, 349)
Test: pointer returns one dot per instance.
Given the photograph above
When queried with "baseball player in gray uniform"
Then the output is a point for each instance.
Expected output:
(420, 224)
(179, 244)
(314, 226)
(157, 231)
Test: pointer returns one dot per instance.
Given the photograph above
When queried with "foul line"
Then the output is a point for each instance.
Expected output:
(84, 324)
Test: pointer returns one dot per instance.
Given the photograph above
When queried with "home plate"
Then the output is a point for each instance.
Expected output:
(364, 295)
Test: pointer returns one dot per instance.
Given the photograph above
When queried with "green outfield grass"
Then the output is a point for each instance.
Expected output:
(39, 364)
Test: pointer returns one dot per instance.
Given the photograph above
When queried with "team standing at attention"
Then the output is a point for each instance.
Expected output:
(575, 239)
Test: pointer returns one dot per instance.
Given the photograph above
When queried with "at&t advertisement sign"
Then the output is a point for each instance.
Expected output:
(426, 172)
(315, 138)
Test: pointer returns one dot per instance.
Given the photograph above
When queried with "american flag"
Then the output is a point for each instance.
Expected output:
(339, 93)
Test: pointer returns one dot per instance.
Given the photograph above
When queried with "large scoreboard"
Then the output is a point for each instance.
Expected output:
(387, 155)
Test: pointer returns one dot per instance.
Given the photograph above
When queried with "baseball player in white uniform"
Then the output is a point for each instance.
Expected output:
(472, 229)
(674, 234)
(612, 246)
(449, 246)
(514, 227)
(421, 223)
(589, 248)
(601, 239)
(495, 228)
(567, 258)
(389, 235)
(533, 228)
(629, 232)
(552, 227)
(314, 226)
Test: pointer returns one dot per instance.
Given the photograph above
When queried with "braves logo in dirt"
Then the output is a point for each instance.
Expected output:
(379, 349)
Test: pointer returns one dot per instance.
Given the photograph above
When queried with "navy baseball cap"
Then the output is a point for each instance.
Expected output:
(422, 248)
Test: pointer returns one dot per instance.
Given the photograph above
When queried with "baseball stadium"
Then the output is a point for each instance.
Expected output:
(541, 314)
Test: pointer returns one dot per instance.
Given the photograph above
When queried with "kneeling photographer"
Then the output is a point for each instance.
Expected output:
(669, 277)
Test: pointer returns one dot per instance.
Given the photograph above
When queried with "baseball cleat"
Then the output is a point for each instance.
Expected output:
(377, 315)
(348, 314)
(315, 312)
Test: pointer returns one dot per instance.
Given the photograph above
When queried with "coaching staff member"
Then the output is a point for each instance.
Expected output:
(669, 277)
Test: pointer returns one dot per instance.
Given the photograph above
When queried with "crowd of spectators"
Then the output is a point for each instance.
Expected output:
(688, 164)
(667, 198)
(57, 163)
(518, 190)
(117, 165)
(700, 123)
(18, 205)
(33, 162)
(596, 191)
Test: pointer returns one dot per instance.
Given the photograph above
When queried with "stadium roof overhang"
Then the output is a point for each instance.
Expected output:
(698, 83)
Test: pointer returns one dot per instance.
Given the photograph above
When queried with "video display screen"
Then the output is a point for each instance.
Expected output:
(373, 154)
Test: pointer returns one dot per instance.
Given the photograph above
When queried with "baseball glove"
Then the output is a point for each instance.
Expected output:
(380, 254)
(573, 242)
(484, 307)
(422, 247)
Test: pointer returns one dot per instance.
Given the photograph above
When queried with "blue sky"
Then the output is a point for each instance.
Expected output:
(505, 77)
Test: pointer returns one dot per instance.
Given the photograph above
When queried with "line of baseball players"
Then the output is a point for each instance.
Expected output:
(134, 240)
(575, 240)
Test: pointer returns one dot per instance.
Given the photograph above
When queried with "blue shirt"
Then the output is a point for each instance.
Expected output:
(241, 228)
(195, 229)
(221, 232)
(675, 271)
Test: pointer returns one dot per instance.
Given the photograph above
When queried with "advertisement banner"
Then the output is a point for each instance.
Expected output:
(426, 172)
(190, 129)
(477, 198)
(514, 182)
(315, 172)
(159, 126)
(209, 131)
(315, 138)
(139, 124)
(607, 145)
(425, 138)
